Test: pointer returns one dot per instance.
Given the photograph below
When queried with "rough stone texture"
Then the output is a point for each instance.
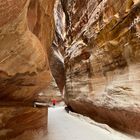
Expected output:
(41, 21)
(23, 123)
(102, 60)
(51, 92)
(57, 50)
(57, 67)
(26, 34)
(23, 59)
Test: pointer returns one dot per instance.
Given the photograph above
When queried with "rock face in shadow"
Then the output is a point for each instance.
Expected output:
(26, 35)
(56, 57)
(51, 92)
(102, 61)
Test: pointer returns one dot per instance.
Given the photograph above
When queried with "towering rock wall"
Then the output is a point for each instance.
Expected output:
(23, 60)
(26, 34)
(102, 60)
(56, 58)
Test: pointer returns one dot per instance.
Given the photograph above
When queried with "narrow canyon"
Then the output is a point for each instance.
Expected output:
(85, 53)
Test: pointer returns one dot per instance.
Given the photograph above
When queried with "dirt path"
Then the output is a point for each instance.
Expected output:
(63, 126)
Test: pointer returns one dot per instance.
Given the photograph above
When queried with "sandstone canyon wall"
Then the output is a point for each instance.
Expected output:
(102, 61)
(26, 34)
(56, 58)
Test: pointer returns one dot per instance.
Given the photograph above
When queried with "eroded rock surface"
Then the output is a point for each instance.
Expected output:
(26, 34)
(56, 57)
(23, 59)
(50, 93)
(23, 123)
(102, 60)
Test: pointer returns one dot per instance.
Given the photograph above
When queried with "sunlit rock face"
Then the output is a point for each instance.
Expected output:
(23, 58)
(26, 34)
(102, 59)
(41, 21)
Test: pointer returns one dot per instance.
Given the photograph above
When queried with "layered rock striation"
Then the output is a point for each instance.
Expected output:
(102, 61)
(23, 59)
(26, 34)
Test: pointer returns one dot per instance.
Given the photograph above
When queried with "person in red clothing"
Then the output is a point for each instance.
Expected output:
(54, 102)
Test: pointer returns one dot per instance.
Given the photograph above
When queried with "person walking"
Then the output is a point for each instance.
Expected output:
(54, 102)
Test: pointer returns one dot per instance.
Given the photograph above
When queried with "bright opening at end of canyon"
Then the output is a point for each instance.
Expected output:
(69, 69)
